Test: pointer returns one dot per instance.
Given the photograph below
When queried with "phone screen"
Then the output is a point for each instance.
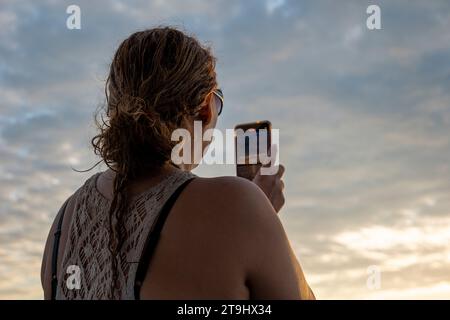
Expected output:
(252, 140)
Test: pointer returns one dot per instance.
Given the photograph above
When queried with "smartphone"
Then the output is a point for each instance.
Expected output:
(249, 138)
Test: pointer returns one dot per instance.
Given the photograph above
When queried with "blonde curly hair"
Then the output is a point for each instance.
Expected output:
(157, 78)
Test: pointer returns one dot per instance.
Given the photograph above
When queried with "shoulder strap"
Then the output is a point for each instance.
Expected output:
(56, 238)
(153, 238)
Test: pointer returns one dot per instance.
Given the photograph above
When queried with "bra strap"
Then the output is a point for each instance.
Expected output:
(153, 237)
(56, 238)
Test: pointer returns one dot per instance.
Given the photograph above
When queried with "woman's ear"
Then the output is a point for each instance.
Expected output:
(205, 113)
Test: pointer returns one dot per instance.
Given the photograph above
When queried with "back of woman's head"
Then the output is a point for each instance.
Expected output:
(158, 78)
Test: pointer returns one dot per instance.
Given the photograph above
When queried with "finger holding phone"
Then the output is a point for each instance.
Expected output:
(250, 137)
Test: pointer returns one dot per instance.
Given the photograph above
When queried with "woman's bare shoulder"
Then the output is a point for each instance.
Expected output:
(231, 206)
(241, 225)
(232, 195)
(228, 186)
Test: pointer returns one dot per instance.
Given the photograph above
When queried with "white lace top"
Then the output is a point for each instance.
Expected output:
(88, 239)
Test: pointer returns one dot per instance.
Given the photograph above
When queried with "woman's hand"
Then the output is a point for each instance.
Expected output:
(273, 187)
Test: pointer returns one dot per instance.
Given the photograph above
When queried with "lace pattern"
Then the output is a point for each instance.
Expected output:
(88, 239)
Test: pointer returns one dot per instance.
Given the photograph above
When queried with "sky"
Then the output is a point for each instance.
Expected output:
(364, 120)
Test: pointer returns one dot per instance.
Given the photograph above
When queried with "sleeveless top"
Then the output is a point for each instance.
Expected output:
(86, 250)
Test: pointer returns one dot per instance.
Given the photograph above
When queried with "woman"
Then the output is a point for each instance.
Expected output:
(147, 229)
